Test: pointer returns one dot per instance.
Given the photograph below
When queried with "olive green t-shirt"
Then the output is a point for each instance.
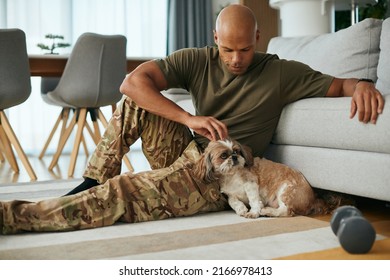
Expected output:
(249, 104)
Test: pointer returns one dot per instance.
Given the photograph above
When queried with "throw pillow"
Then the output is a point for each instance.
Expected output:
(349, 53)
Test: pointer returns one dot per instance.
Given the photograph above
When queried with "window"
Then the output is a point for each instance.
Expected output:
(143, 22)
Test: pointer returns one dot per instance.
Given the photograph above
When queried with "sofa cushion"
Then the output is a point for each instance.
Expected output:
(383, 83)
(349, 53)
(353, 172)
(325, 122)
(187, 105)
(176, 94)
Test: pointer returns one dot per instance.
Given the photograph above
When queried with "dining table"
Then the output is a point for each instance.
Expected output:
(47, 65)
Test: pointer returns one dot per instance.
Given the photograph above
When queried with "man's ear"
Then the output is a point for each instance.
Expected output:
(257, 35)
(215, 37)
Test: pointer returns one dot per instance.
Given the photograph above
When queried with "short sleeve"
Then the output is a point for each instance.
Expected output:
(298, 81)
(180, 67)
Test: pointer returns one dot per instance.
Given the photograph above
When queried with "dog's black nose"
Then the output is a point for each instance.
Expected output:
(234, 158)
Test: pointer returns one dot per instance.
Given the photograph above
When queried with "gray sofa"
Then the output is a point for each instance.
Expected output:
(316, 136)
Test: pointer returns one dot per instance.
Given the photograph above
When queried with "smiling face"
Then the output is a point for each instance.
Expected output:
(236, 35)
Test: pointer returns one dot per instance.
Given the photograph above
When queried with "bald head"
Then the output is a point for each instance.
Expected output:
(236, 19)
(236, 35)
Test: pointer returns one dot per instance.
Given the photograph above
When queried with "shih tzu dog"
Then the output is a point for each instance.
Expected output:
(267, 188)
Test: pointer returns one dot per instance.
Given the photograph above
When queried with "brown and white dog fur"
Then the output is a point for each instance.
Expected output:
(267, 188)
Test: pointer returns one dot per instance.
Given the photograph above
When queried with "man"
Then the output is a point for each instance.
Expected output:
(236, 35)
(236, 92)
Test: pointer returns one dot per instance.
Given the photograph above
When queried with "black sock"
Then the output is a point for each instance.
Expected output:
(87, 184)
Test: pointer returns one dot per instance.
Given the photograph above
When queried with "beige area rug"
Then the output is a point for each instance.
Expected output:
(211, 236)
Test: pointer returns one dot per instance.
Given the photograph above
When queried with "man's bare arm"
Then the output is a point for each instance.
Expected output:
(367, 101)
(144, 86)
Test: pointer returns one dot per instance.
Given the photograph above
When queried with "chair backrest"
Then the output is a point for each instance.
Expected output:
(15, 83)
(49, 84)
(94, 72)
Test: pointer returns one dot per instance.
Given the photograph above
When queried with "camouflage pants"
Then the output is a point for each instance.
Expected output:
(153, 195)
(163, 141)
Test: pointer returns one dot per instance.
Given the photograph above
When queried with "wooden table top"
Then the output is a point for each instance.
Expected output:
(53, 65)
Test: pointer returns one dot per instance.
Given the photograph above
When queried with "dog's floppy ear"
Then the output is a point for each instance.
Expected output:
(246, 152)
(204, 170)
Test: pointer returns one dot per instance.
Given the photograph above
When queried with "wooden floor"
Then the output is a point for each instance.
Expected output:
(376, 211)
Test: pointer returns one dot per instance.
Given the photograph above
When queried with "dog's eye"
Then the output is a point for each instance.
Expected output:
(224, 155)
(237, 151)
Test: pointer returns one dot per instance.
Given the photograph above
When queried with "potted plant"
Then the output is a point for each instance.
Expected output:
(54, 43)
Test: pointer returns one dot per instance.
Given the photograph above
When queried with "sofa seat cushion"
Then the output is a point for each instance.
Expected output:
(187, 105)
(352, 172)
(176, 94)
(325, 122)
(383, 83)
(349, 53)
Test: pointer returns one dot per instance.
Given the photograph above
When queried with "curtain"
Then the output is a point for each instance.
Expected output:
(190, 24)
(143, 22)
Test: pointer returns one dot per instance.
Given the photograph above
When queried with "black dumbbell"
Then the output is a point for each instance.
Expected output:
(356, 235)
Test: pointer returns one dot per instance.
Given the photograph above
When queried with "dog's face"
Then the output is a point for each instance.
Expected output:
(220, 157)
